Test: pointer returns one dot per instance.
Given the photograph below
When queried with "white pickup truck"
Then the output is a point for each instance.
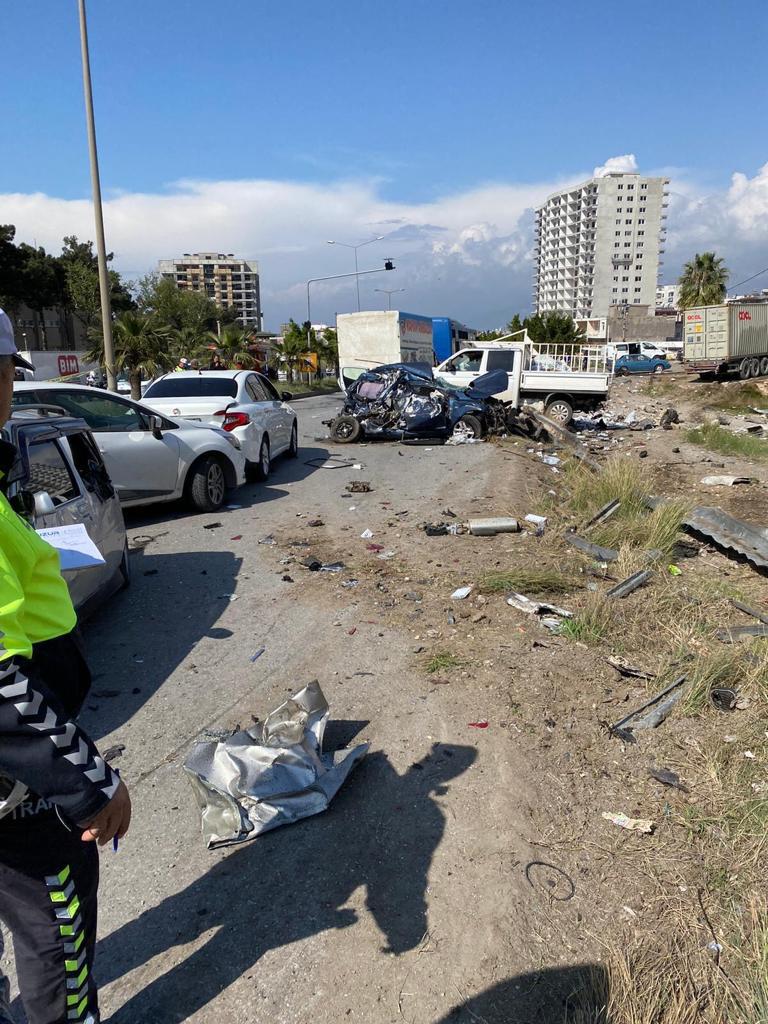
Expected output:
(561, 377)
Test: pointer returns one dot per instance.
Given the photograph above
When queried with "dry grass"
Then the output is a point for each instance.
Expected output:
(527, 581)
(715, 438)
(592, 623)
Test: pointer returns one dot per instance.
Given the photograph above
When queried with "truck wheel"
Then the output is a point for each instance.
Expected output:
(468, 425)
(745, 371)
(754, 367)
(764, 366)
(345, 430)
(560, 410)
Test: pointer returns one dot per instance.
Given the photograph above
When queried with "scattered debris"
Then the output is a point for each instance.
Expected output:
(271, 774)
(643, 453)
(539, 521)
(442, 529)
(211, 526)
(112, 753)
(461, 593)
(624, 668)
(286, 578)
(650, 714)
(593, 550)
(725, 481)
(749, 611)
(359, 487)
(478, 725)
(238, 536)
(316, 522)
(727, 532)
(668, 418)
(630, 824)
(269, 539)
(525, 604)
(603, 513)
(311, 563)
(374, 547)
(366, 535)
(630, 584)
(349, 584)
(731, 634)
(332, 567)
(228, 597)
(674, 570)
(555, 882)
(257, 653)
(667, 778)
(724, 698)
(490, 527)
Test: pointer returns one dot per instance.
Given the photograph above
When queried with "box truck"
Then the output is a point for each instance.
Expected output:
(379, 337)
(726, 339)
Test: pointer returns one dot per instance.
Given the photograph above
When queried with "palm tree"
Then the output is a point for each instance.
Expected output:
(141, 348)
(233, 344)
(703, 281)
(297, 340)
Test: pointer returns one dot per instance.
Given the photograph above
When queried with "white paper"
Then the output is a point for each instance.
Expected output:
(75, 547)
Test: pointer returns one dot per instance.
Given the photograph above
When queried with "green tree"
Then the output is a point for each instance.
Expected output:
(327, 348)
(178, 308)
(81, 273)
(233, 344)
(703, 281)
(141, 348)
(298, 339)
(43, 286)
(553, 328)
(11, 270)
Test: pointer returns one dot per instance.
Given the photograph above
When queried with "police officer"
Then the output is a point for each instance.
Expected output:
(58, 797)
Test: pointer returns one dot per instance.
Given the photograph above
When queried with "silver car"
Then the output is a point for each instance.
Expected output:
(150, 457)
(59, 479)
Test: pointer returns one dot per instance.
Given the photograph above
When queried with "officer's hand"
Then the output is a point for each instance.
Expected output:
(112, 820)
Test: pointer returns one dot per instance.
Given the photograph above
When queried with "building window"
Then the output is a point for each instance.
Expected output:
(628, 220)
(616, 245)
(635, 300)
(618, 209)
(614, 289)
(625, 279)
(624, 290)
(619, 186)
(627, 232)
(618, 220)
(638, 279)
(615, 278)
(643, 184)
(630, 186)
(618, 233)
(641, 220)
(641, 232)
(642, 209)
(639, 245)
(638, 289)
(628, 244)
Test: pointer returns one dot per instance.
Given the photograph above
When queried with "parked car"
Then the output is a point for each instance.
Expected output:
(242, 402)
(60, 479)
(403, 400)
(150, 458)
(640, 364)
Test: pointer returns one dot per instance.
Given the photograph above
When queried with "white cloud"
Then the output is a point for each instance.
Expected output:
(626, 164)
(467, 254)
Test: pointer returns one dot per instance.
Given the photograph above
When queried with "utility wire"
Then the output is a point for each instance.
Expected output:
(748, 279)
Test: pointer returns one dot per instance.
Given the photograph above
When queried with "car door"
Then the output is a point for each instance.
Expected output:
(50, 471)
(270, 410)
(142, 466)
(460, 370)
(283, 413)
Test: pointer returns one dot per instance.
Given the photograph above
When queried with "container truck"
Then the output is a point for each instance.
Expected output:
(727, 339)
(379, 337)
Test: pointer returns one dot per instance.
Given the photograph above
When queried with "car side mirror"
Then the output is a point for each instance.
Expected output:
(286, 395)
(156, 426)
(44, 504)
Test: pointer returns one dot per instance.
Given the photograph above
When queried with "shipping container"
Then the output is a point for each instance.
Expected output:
(729, 338)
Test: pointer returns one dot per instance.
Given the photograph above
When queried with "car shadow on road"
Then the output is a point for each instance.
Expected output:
(380, 833)
(571, 995)
(152, 627)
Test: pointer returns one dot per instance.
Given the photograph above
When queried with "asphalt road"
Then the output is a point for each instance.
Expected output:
(392, 906)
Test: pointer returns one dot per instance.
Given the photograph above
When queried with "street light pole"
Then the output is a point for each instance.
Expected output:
(359, 245)
(335, 277)
(101, 249)
(389, 294)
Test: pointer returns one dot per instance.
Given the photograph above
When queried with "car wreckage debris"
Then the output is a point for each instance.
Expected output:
(630, 584)
(530, 607)
(630, 824)
(731, 634)
(624, 668)
(490, 527)
(272, 774)
(650, 714)
(725, 531)
(593, 550)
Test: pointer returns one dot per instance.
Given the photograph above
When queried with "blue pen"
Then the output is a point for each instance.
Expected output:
(114, 837)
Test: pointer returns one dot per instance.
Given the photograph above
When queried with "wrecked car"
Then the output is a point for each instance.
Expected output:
(403, 401)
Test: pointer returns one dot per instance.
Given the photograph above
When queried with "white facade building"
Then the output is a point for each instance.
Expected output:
(667, 296)
(599, 244)
(223, 277)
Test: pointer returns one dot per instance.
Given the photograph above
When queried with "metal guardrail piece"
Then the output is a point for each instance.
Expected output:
(728, 532)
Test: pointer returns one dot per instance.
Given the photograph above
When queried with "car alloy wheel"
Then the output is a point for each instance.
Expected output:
(215, 483)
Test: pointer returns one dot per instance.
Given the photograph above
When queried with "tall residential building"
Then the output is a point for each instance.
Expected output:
(667, 296)
(223, 277)
(599, 244)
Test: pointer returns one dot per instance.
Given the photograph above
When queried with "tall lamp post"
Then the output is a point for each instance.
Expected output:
(101, 249)
(359, 245)
(389, 292)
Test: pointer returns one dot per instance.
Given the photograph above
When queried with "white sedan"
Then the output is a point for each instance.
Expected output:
(150, 457)
(242, 402)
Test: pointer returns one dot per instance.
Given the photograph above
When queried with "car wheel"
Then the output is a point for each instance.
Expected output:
(125, 568)
(560, 410)
(468, 426)
(293, 447)
(207, 484)
(658, 368)
(622, 372)
(264, 464)
(345, 430)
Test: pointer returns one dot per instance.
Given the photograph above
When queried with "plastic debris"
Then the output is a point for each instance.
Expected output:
(593, 550)
(630, 824)
(623, 667)
(257, 653)
(357, 465)
(332, 567)
(725, 481)
(269, 539)
(271, 774)
(603, 513)
(667, 778)
(748, 754)
(650, 714)
(228, 597)
(359, 487)
(461, 593)
(211, 526)
(536, 520)
(385, 555)
(668, 417)
(316, 522)
(349, 584)
(674, 570)
(442, 529)
(530, 607)
(490, 527)
(112, 753)
(723, 698)
(478, 725)
(551, 460)
(366, 535)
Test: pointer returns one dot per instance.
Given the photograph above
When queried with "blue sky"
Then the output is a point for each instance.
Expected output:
(411, 101)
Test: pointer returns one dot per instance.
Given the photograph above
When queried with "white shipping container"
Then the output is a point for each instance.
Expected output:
(726, 333)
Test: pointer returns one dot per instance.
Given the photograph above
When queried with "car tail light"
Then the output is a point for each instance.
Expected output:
(233, 419)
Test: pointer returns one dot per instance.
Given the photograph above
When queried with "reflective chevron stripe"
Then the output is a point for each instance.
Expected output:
(61, 890)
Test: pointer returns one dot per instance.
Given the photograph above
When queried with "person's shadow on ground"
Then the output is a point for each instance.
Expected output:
(380, 832)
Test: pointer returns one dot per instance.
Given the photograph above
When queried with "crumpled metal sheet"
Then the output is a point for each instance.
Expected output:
(729, 532)
(270, 775)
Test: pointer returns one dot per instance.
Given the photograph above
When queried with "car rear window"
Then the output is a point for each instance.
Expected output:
(193, 387)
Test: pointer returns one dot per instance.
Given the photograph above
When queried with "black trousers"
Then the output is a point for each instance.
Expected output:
(48, 883)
